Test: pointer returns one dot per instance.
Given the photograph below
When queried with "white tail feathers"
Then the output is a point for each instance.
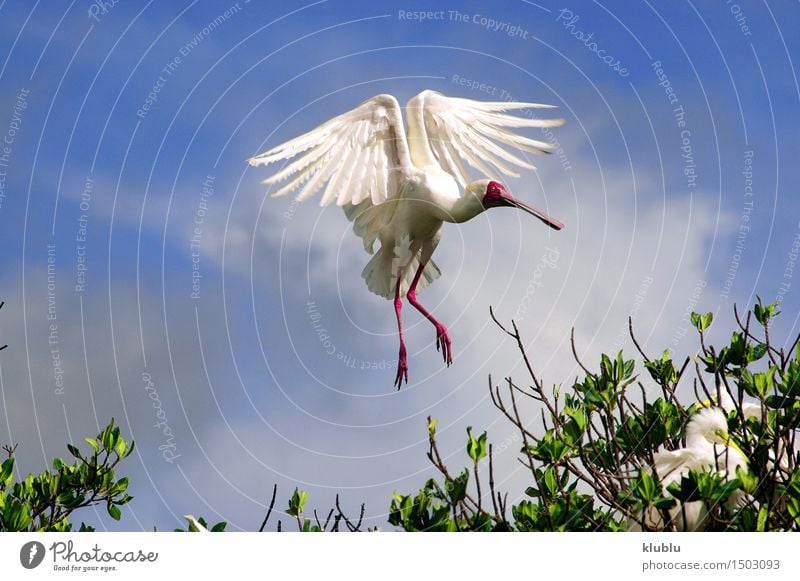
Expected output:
(381, 273)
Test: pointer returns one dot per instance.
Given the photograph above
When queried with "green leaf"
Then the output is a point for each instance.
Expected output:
(121, 485)
(763, 513)
(578, 416)
(120, 446)
(432, 422)
(735, 354)
(606, 366)
(457, 487)
(219, 527)
(747, 381)
(532, 492)
(16, 515)
(297, 502)
(764, 313)
(764, 383)
(749, 480)
(551, 480)
(109, 436)
(476, 447)
(6, 473)
(702, 322)
(789, 384)
(756, 351)
(93, 443)
(114, 511)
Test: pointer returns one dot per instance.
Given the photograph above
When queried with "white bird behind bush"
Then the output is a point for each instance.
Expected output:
(752, 410)
(194, 524)
(708, 446)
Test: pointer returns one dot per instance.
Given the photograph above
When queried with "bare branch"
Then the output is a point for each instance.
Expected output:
(269, 510)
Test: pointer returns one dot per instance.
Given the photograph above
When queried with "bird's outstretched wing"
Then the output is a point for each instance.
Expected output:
(449, 131)
(360, 155)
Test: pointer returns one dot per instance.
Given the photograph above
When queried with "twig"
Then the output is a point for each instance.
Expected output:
(635, 342)
(269, 510)
(575, 353)
(499, 324)
(353, 528)
(1, 306)
(491, 481)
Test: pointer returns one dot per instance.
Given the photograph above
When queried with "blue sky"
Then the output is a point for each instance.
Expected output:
(126, 129)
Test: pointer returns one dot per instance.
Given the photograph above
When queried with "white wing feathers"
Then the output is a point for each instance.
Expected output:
(461, 130)
(360, 154)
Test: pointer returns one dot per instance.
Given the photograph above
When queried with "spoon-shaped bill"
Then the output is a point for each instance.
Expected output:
(512, 201)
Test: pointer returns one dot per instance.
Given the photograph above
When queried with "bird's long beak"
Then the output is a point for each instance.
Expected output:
(512, 201)
(729, 441)
(706, 403)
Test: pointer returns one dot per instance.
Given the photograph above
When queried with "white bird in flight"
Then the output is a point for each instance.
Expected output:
(401, 189)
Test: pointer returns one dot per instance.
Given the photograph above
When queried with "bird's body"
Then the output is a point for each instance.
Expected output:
(194, 525)
(708, 447)
(777, 447)
(399, 189)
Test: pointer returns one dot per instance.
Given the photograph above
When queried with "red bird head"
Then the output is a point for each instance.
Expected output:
(497, 196)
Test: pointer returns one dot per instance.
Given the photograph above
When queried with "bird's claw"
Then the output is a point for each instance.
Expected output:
(402, 368)
(443, 343)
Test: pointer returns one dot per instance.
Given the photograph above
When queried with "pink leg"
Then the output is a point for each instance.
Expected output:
(442, 338)
(402, 361)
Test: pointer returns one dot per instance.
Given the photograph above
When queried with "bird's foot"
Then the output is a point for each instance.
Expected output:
(443, 343)
(402, 367)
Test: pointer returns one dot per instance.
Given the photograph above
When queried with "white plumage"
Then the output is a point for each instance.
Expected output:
(400, 189)
(708, 447)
